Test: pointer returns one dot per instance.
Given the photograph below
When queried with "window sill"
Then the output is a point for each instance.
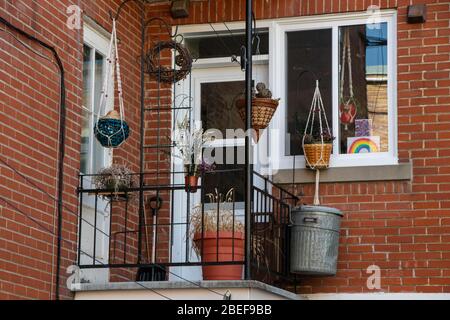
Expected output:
(398, 172)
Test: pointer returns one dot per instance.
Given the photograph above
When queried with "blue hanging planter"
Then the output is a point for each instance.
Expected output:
(110, 132)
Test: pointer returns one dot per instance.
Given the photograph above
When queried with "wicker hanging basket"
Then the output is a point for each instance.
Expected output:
(263, 110)
(317, 139)
(318, 155)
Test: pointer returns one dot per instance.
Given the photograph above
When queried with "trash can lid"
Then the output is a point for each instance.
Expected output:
(319, 209)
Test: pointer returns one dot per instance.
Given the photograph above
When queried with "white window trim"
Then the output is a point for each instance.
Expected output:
(96, 41)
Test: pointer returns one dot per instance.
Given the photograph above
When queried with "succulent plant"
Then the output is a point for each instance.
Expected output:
(262, 91)
(317, 138)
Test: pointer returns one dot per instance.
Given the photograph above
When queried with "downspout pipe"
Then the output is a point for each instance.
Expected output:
(61, 143)
(248, 137)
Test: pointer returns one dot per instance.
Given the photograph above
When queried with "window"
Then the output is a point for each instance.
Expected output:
(215, 94)
(309, 54)
(224, 43)
(93, 157)
(215, 85)
(355, 62)
(95, 49)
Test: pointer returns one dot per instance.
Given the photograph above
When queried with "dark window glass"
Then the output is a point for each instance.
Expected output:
(233, 173)
(218, 110)
(86, 119)
(219, 105)
(308, 53)
(363, 100)
(225, 44)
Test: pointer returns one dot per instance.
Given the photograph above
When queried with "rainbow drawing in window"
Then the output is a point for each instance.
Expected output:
(363, 144)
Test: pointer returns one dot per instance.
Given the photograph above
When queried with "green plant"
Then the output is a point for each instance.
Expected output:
(326, 137)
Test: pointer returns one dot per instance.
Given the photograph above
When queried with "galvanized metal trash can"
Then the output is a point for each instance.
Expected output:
(315, 240)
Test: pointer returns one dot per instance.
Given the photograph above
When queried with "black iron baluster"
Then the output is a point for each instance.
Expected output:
(95, 229)
(233, 227)
(125, 235)
(218, 226)
(80, 222)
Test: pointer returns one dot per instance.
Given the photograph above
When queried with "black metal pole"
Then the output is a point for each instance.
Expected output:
(142, 140)
(248, 139)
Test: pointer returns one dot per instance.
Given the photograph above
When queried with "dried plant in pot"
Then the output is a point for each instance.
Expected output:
(218, 236)
(263, 108)
(115, 181)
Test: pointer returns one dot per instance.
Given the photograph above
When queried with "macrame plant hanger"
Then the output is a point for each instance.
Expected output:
(348, 108)
(316, 113)
(111, 130)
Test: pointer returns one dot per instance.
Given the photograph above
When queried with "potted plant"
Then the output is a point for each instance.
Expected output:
(218, 236)
(115, 180)
(263, 108)
(317, 149)
(190, 144)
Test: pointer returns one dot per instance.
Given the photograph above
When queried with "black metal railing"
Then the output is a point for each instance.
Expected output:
(179, 227)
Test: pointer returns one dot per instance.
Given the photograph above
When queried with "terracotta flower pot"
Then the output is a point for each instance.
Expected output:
(227, 240)
(191, 183)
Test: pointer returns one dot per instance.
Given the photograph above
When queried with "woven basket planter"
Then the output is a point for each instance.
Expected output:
(318, 155)
(263, 110)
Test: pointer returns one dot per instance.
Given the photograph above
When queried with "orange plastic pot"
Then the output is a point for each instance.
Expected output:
(224, 245)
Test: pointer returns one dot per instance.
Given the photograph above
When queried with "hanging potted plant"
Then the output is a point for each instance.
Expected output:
(318, 148)
(189, 144)
(317, 140)
(218, 236)
(115, 181)
(111, 130)
(263, 108)
(348, 108)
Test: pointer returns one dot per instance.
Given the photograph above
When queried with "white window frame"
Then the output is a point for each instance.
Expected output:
(279, 65)
(100, 44)
(277, 81)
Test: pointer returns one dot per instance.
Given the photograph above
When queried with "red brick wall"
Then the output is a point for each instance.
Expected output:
(403, 227)
(29, 92)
